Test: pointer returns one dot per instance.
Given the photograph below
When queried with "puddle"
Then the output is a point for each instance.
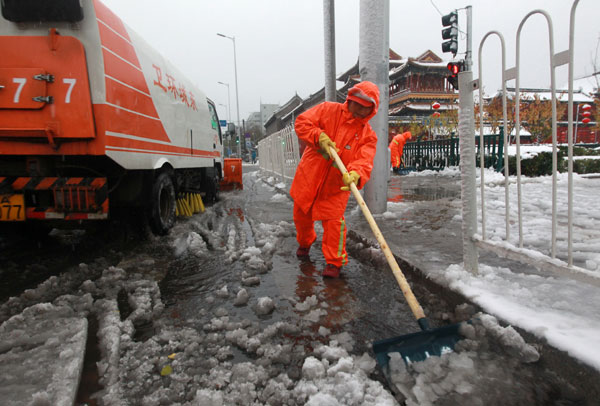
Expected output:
(422, 188)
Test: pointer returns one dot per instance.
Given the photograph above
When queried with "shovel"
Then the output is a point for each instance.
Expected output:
(416, 346)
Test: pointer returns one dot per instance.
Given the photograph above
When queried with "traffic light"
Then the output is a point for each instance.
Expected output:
(450, 33)
(230, 129)
(454, 68)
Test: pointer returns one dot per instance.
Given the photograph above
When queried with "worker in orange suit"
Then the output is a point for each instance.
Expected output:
(319, 190)
(397, 148)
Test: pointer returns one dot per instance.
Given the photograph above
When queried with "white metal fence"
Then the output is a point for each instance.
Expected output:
(279, 153)
(506, 249)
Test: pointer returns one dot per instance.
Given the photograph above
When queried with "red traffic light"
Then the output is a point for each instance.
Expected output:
(454, 68)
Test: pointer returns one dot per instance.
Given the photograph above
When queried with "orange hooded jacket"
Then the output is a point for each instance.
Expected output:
(317, 181)
(397, 147)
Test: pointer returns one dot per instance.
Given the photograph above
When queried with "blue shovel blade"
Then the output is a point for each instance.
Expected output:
(419, 346)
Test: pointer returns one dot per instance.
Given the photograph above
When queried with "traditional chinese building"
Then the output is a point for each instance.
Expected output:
(415, 84)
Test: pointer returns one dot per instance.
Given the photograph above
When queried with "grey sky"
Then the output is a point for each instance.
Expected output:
(279, 43)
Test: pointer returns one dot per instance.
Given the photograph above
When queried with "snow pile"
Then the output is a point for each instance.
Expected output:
(240, 345)
(339, 379)
(252, 257)
(30, 344)
(190, 366)
(231, 252)
(223, 292)
(307, 304)
(51, 288)
(279, 198)
(241, 298)
(473, 373)
(192, 243)
(264, 306)
(550, 305)
(547, 306)
(268, 236)
(451, 171)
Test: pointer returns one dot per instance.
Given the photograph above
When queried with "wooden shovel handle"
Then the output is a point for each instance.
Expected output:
(404, 286)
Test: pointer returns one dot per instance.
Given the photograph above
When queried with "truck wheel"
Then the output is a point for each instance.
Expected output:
(162, 209)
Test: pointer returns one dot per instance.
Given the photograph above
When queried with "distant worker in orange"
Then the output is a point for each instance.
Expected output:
(319, 190)
(397, 148)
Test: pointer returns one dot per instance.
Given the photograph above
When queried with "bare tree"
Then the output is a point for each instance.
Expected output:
(537, 117)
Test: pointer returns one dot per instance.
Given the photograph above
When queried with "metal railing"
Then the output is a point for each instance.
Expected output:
(279, 153)
(439, 154)
(493, 151)
(433, 154)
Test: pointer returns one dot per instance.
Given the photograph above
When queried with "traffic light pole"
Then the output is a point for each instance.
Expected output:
(329, 25)
(466, 133)
(469, 54)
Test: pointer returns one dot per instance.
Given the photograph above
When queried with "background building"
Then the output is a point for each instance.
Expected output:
(423, 101)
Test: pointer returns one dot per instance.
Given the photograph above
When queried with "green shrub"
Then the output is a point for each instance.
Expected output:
(579, 151)
(586, 166)
(541, 164)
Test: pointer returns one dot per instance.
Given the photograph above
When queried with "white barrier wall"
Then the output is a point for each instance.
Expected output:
(279, 153)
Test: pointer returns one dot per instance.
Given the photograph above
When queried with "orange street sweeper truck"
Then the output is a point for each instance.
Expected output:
(93, 119)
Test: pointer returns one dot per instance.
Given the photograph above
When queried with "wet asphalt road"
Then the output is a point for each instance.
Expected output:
(365, 303)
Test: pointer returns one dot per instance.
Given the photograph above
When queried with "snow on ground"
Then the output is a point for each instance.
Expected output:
(471, 374)
(189, 364)
(537, 219)
(561, 310)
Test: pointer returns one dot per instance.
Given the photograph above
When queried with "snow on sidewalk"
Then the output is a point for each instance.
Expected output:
(556, 308)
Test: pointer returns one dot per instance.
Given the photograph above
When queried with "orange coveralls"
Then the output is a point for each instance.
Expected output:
(397, 147)
(316, 185)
